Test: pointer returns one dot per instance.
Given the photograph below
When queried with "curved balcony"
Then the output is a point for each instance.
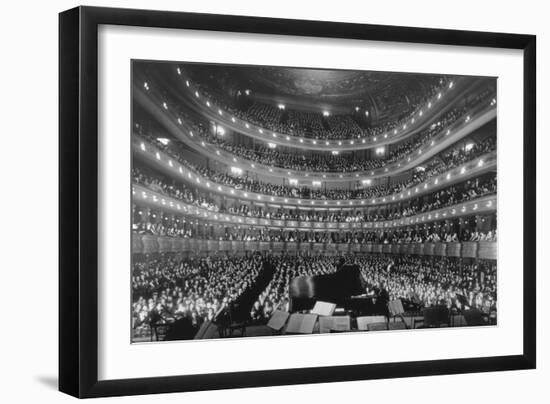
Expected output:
(145, 196)
(469, 249)
(174, 169)
(478, 116)
(422, 116)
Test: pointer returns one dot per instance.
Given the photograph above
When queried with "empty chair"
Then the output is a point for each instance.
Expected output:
(396, 309)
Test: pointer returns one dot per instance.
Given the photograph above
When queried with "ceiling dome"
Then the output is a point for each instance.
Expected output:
(386, 95)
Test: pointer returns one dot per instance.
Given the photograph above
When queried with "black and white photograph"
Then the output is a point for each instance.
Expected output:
(274, 201)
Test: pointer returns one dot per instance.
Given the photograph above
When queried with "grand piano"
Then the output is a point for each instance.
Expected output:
(345, 288)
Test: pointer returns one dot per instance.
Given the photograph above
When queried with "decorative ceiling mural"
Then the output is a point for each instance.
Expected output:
(327, 83)
(385, 94)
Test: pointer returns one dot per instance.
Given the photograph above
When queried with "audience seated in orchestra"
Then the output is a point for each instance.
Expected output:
(167, 287)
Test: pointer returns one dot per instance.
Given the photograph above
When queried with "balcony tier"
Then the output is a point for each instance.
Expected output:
(170, 166)
(478, 117)
(152, 244)
(147, 197)
(208, 107)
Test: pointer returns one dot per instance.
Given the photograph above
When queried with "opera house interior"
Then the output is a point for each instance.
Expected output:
(273, 201)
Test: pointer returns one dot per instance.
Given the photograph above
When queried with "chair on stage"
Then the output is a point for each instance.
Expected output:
(475, 317)
(470, 316)
(396, 310)
(228, 320)
(158, 331)
(459, 305)
(159, 325)
(203, 329)
(237, 319)
(434, 317)
(397, 325)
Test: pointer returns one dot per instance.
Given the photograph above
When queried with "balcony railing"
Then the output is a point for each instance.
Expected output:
(152, 244)
(174, 169)
(475, 118)
(147, 197)
(457, 89)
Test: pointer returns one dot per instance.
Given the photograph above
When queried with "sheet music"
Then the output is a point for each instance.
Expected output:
(301, 323)
(278, 320)
(336, 323)
(323, 308)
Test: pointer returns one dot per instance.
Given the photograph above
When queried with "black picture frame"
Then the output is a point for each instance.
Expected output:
(78, 200)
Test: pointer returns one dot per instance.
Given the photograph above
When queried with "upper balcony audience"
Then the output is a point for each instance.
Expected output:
(441, 163)
(318, 126)
(446, 197)
(328, 161)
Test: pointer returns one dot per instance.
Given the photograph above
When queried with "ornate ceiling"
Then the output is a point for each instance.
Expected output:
(334, 84)
(380, 92)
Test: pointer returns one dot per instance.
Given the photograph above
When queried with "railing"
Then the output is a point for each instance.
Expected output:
(477, 117)
(209, 107)
(168, 164)
(142, 243)
(145, 196)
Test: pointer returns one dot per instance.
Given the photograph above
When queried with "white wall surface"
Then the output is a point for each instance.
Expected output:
(28, 285)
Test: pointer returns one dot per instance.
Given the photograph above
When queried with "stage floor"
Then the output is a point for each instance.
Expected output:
(265, 331)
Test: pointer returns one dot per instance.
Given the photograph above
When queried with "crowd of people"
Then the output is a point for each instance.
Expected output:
(167, 287)
(302, 123)
(424, 281)
(458, 193)
(318, 126)
(327, 161)
(457, 230)
(181, 191)
(276, 296)
(440, 163)
(433, 282)
(467, 191)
